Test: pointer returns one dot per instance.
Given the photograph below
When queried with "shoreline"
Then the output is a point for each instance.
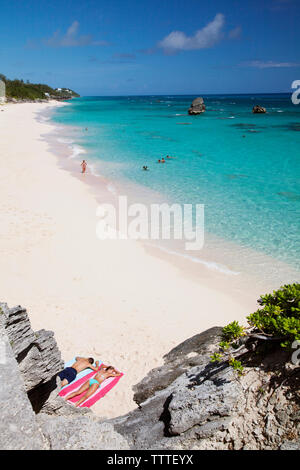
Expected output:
(218, 256)
(113, 300)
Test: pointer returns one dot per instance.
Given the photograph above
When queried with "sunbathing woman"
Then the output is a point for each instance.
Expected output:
(92, 385)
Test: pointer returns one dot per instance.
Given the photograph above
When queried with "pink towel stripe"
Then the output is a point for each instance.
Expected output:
(102, 386)
(101, 391)
(76, 384)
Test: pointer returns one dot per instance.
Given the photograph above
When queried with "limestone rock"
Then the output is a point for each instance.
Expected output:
(192, 352)
(197, 106)
(80, 433)
(185, 400)
(198, 403)
(290, 445)
(53, 404)
(36, 352)
(258, 110)
(187, 403)
(29, 362)
(18, 426)
(18, 328)
(144, 428)
(201, 395)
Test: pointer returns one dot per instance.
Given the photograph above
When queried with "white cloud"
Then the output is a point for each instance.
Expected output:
(71, 38)
(269, 64)
(203, 38)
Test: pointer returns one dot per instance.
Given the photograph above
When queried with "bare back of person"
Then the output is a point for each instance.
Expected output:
(82, 363)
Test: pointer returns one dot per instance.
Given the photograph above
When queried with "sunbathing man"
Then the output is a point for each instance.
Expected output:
(90, 386)
(69, 373)
(83, 166)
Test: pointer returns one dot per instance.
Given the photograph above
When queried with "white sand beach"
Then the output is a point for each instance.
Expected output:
(113, 300)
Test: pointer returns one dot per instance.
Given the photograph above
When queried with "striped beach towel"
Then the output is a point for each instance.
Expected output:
(81, 378)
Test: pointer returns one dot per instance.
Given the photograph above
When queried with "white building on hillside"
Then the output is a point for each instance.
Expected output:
(2, 92)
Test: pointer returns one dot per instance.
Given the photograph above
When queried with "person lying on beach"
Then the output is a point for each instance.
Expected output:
(83, 166)
(91, 385)
(69, 373)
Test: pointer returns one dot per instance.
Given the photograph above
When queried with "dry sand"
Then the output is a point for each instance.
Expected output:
(113, 300)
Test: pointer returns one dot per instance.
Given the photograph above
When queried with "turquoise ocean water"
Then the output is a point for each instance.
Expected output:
(245, 168)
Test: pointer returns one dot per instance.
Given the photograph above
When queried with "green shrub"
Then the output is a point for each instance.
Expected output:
(236, 365)
(280, 315)
(233, 331)
(216, 357)
(279, 318)
(224, 345)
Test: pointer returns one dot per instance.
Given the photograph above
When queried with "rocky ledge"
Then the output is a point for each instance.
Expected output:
(32, 414)
(187, 403)
(197, 107)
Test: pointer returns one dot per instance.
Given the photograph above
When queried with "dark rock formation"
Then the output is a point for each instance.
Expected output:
(197, 106)
(80, 433)
(192, 352)
(29, 362)
(18, 426)
(37, 354)
(258, 110)
(210, 407)
(195, 405)
(188, 403)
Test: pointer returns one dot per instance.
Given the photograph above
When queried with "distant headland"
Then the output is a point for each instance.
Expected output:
(17, 90)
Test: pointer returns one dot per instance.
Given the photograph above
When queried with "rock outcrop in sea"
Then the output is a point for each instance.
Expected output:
(187, 403)
(197, 107)
(258, 110)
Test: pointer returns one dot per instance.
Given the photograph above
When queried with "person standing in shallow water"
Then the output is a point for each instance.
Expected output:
(83, 166)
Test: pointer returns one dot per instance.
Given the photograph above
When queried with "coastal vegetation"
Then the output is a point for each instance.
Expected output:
(277, 322)
(20, 90)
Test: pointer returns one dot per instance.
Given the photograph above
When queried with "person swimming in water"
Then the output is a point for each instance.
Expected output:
(91, 385)
(145, 168)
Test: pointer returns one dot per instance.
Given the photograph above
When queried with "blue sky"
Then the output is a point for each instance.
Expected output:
(117, 47)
